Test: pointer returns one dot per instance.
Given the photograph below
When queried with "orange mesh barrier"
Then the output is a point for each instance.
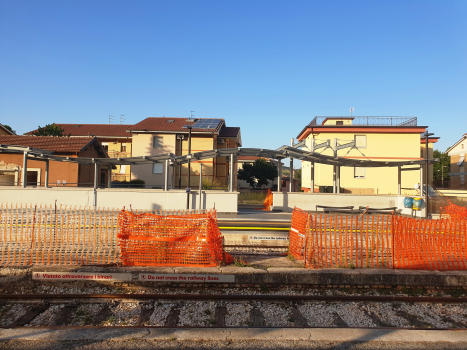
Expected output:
(385, 242)
(455, 211)
(268, 201)
(49, 235)
(297, 233)
(172, 240)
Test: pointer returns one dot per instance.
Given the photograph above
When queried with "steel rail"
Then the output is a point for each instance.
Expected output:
(384, 298)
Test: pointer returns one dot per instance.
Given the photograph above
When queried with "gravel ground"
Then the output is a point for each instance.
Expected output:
(11, 312)
(238, 314)
(197, 314)
(46, 318)
(276, 315)
(124, 314)
(158, 317)
(84, 314)
(221, 345)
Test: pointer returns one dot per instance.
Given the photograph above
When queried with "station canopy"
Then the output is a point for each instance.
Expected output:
(280, 153)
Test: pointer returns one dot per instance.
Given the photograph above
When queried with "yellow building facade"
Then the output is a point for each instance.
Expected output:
(372, 142)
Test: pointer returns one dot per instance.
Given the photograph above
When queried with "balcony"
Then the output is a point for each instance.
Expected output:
(375, 121)
(116, 154)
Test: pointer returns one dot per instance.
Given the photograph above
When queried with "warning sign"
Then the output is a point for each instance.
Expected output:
(267, 238)
(80, 276)
(155, 277)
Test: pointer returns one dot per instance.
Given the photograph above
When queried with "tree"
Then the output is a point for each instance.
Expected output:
(258, 173)
(443, 167)
(49, 130)
(10, 129)
(298, 175)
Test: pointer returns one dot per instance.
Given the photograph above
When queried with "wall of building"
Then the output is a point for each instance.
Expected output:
(86, 171)
(58, 171)
(143, 199)
(287, 201)
(142, 145)
(115, 150)
(391, 147)
(458, 172)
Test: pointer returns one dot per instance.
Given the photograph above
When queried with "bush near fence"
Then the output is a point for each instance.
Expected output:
(49, 235)
(379, 241)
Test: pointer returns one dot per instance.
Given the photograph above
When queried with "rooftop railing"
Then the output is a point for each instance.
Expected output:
(387, 121)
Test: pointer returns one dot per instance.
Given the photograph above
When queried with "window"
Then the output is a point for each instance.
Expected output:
(462, 146)
(123, 147)
(157, 168)
(122, 169)
(340, 122)
(105, 145)
(359, 173)
(360, 141)
(157, 142)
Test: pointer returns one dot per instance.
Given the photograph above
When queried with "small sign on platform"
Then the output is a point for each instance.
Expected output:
(81, 276)
(186, 278)
(267, 238)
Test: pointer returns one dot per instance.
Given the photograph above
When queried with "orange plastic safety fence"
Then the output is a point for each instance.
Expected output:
(268, 201)
(297, 233)
(455, 211)
(170, 240)
(386, 242)
(49, 235)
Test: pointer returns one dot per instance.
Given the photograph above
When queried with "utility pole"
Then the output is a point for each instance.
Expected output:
(188, 189)
(427, 135)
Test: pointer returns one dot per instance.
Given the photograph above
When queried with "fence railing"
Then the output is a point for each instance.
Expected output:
(49, 235)
(380, 241)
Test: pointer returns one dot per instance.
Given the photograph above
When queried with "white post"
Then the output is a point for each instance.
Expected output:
(291, 169)
(312, 176)
(231, 173)
(200, 186)
(24, 174)
(421, 181)
(279, 177)
(399, 178)
(46, 178)
(338, 182)
(166, 175)
(109, 178)
(96, 175)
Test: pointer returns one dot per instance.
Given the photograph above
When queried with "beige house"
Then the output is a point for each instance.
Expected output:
(156, 136)
(458, 154)
(4, 131)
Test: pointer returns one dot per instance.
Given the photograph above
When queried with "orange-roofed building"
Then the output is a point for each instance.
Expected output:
(60, 173)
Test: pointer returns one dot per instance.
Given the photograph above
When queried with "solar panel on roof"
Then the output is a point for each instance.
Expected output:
(206, 123)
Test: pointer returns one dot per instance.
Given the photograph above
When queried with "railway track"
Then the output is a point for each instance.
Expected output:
(193, 310)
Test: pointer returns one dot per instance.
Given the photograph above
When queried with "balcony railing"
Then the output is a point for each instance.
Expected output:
(388, 121)
(116, 154)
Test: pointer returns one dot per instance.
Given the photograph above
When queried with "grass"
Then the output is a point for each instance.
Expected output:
(240, 262)
(252, 197)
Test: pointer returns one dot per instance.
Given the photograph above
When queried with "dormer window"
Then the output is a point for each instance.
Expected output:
(170, 121)
(339, 122)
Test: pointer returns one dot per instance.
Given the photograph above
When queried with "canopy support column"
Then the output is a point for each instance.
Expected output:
(338, 181)
(231, 178)
(312, 177)
(291, 186)
(200, 186)
(399, 178)
(24, 173)
(46, 178)
(279, 174)
(96, 175)
(166, 175)
(333, 179)
(109, 178)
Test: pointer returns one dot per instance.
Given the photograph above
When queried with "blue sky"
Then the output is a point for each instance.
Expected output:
(266, 66)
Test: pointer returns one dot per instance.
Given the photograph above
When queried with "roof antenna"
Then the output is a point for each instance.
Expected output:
(111, 119)
(121, 118)
(351, 110)
(191, 116)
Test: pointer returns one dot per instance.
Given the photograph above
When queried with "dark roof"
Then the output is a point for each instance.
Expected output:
(170, 124)
(229, 131)
(106, 130)
(3, 128)
(50, 143)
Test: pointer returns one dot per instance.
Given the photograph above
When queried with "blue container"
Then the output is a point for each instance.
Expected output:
(408, 201)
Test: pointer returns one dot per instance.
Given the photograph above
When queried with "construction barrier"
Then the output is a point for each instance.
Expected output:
(49, 235)
(174, 240)
(380, 241)
(297, 233)
(268, 201)
(454, 211)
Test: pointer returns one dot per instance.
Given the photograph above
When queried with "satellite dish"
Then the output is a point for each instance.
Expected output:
(417, 186)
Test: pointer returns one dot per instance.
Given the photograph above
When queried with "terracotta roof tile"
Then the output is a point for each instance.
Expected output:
(170, 124)
(108, 130)
(49, 143)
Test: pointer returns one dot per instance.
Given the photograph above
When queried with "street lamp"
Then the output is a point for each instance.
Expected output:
(188, 189)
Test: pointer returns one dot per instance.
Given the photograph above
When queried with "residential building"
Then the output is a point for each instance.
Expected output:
(366, 138)
(4, 131)
(155, 136)
(114, 138)
(458, 154)
(60, 173)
